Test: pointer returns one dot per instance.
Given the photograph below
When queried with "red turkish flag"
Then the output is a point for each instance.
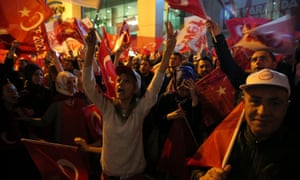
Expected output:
(217, 147)
(109, 40)
(58, 161)
(191, 6)
(178, 145)
(94, 120)
(123, 38)
(20, 18)
(235, 26)
(108, 71)
(146, 44)
(71, 28)
(276, 35)
(217, 96)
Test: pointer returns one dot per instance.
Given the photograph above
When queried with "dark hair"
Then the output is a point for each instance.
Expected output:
(179, 55)
(207, 59)
(266, 50)
(147, 58)
(30, 69)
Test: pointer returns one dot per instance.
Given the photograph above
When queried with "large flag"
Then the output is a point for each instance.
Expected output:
(35, 43)
(94, 120)
(108, 71)
(217, 96)
(109, 41)
(236, 26)
(194, 7)
(123, 39)
(70, 28)
(276, 35)
(123, 36)
(57, 161)
(66, 36)
(216, 149)
(179, 144)
(146, 44)
(21, 18)
(192, 36)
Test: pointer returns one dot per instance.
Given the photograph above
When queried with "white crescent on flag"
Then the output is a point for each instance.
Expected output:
(276, 35)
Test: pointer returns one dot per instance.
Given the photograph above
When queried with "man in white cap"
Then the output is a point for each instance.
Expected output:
(264, 147)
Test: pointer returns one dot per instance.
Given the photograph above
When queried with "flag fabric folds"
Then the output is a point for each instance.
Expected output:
(194, 7)
(21, 18)
(236, 26)
(70, 28)
(178, 145)
(192, 36)
(57, 161)
(108, 71)
(216, 95)
(123, 37)
(276, 35)
(107, 39)
(67, 35)
(94, 120)
(24, 21)
(219, 143)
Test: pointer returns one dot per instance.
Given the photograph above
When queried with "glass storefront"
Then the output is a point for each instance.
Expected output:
(112, 15)
(114, 12)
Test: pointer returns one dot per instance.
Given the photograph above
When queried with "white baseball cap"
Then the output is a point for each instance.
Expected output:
(267, 77)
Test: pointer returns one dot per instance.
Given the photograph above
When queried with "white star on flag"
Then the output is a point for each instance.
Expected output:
(24, 12)
(221, 90)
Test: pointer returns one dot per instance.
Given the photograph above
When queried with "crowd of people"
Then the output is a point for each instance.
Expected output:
(153, 125)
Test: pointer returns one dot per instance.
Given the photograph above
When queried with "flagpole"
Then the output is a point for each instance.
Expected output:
(213, 35)
(234, 135)
(97, 12)
(189, 127)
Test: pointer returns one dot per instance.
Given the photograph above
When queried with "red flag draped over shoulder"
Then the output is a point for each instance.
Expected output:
(20, 18)
(57, 161)
(217, 147)
(217, 96)
(191, 6)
